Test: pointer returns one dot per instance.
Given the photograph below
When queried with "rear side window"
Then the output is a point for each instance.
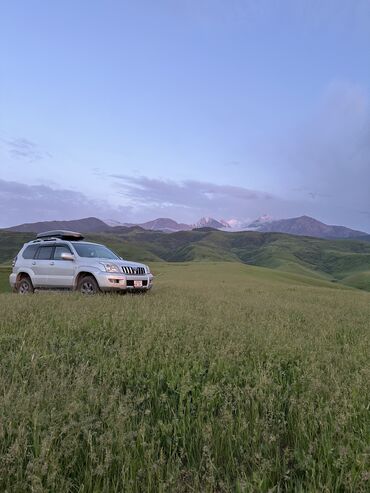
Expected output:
(45, 252)
(59, 250)
(30, 251)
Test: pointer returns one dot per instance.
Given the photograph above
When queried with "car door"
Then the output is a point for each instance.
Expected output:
(61, 273)
(41, 265)
(28, 259)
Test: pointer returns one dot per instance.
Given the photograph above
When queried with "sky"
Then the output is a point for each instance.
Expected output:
(226, 108)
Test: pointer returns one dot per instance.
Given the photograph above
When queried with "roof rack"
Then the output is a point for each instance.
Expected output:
(60, 235)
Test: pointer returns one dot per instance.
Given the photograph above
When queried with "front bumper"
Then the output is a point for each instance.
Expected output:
(113, 281)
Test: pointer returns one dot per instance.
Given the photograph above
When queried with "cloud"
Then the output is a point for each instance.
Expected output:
(187, 200)
(142, 198)
(21, 203)
(21, 148)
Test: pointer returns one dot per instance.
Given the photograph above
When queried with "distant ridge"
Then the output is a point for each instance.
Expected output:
(205, 229)
(308, 226)
(86, 225)
(164, 224)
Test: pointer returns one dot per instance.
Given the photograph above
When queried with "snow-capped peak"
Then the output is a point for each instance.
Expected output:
(233, 223)
(265, 218)
(113, 222)
(209, 222)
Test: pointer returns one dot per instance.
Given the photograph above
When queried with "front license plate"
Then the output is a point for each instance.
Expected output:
(138, 284)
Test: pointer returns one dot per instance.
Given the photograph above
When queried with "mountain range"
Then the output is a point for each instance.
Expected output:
(301, 226)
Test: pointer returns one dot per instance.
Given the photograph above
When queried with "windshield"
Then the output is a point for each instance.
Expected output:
(92, 250)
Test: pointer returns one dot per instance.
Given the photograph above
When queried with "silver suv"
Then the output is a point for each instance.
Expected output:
(62, 260)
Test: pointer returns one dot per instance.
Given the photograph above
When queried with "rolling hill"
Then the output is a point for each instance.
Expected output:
(345, 261)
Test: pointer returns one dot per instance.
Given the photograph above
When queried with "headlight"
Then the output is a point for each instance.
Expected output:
(111, 267)
(147, 269)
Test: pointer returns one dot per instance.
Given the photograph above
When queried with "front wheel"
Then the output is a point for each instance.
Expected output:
(25, 286)
(88, 285)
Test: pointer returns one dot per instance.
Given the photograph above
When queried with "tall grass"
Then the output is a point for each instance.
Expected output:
(224, 378)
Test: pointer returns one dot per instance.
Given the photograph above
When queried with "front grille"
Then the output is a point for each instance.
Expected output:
(133, 271)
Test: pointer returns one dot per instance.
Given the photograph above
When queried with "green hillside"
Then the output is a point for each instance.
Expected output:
(345, 261)
(10, 243)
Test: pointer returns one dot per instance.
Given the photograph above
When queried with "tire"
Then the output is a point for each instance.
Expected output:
(88, 285)
(25, 286)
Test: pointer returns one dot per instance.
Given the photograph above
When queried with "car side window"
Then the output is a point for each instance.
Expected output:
(44, 253)
(59, 250)
(30, 251)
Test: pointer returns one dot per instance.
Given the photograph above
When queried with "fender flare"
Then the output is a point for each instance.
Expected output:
(86, 271)
(26, 271)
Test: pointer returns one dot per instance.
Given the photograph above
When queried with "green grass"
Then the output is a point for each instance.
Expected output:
(360, 280)
(4, 278)
(225, 378)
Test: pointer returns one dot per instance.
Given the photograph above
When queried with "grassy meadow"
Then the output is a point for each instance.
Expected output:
(225, 378)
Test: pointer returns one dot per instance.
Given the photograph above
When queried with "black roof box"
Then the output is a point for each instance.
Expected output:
(63, 235)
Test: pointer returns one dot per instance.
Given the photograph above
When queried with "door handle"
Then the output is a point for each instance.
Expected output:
(33, 263)
(51, 263)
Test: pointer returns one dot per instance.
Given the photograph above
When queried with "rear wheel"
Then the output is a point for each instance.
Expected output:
(25, 286)
(88, 285)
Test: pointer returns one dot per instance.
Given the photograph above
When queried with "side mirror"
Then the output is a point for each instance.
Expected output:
(67, 256)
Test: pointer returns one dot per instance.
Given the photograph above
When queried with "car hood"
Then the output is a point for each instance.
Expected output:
(126, 263)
